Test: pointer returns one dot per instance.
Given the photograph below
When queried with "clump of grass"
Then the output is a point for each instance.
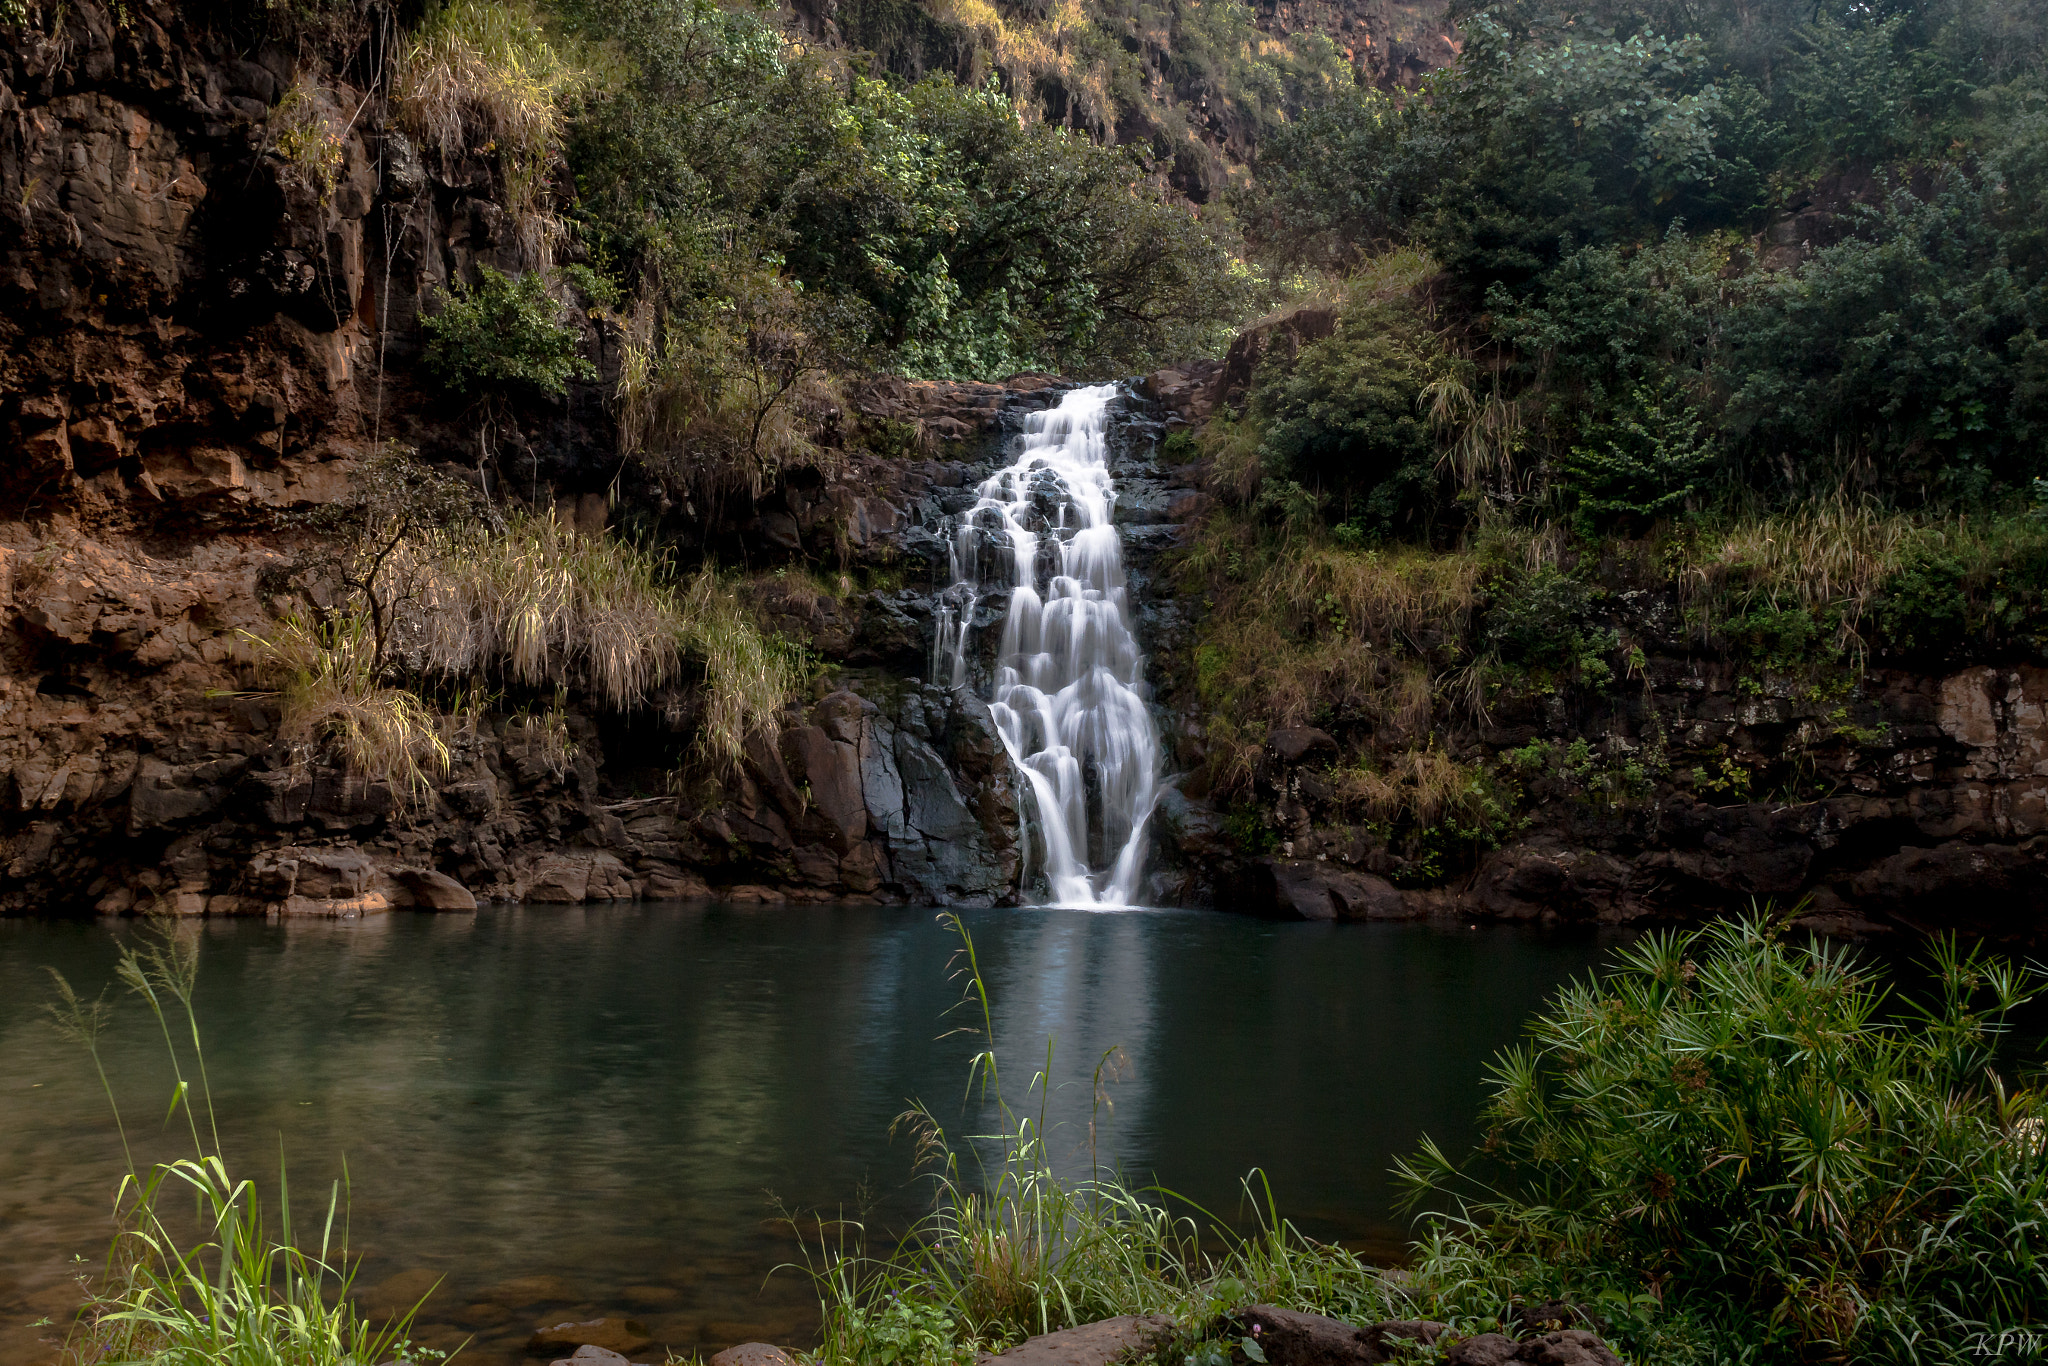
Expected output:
(1871, 575)
(1831, 553)
(333, 701)
(1012, 1248)
(750, 677)
(1732, 1148)
(1423, 786)
(479, 75)
(306, 133)
(1302, 631)
(244, 1293)
(542, 605)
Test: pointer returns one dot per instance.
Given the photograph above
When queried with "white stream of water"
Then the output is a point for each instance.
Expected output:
(1069, 681)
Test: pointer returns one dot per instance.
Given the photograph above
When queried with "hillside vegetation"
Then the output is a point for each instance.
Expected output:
(1740, 309)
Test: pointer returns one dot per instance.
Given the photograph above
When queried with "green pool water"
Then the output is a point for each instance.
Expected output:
(571, 1112)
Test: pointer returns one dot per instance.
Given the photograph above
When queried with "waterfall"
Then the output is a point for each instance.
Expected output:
(1069, 690)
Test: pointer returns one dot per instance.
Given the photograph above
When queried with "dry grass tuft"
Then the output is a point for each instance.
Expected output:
(332, 698)
(1422, 785)
(480, 75)
(1304, 632)
(751, 677)
(542, 605)
(1824, 554)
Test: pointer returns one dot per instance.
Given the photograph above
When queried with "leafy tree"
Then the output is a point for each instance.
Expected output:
(1905, 356)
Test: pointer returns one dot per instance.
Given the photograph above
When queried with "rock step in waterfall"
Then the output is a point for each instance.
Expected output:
(1069, 697)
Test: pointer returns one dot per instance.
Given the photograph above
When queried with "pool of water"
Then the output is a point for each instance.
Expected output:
(572, 1112)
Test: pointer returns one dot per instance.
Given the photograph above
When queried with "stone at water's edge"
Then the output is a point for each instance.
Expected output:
(1291, 1338)
(611, 1334)
(751, 1354)
(1091, 1344)
(588, 1355)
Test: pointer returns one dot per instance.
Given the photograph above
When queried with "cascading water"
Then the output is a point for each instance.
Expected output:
(1069, 691)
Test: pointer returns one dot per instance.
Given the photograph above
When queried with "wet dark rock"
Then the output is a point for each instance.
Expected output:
(1292, 1338)
(1090, 1344)
(1297, 743)
(1570, 1347)
(621, 1335)
(1303, 889)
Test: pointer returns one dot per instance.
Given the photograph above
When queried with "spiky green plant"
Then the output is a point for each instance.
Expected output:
(1734, 1147)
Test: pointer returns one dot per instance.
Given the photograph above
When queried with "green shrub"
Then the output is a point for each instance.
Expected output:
(1649, 459)
(503, 331)
(1344, 417)
(1783, 639)
(1545, 621)
(1732, 1148)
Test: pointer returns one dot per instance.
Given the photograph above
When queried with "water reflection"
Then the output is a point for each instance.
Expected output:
(570, 1112)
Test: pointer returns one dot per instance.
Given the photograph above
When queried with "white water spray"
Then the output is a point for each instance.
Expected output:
(1069, 679)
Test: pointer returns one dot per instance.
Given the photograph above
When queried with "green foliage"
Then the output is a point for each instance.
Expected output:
(1791, 639)
(1544, 621)
(1792, 251)
(1343, 417)
(1249, 831)
(503, 331)
(1732, 1148)
(978, 243)
(1648, 459)
(251, 1292)
(1909, 344)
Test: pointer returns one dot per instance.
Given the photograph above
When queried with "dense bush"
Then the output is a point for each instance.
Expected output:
(504, 331)
(1344, 417)
(1735, 1148)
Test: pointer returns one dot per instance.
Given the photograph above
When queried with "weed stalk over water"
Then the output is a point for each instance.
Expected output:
(241, 1295)
(1012, 1247)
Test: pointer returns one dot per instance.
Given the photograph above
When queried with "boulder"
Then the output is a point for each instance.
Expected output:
(428, 890)
(571, 877)
(831, 768)
(751, 1354)
(612, 1334)
(587, 1355)
(334, 907)
(1570, 1347)
(1091, 1344)
(1994, 890)
(1310, 889)
(1292, 1338)
(1295, 743)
